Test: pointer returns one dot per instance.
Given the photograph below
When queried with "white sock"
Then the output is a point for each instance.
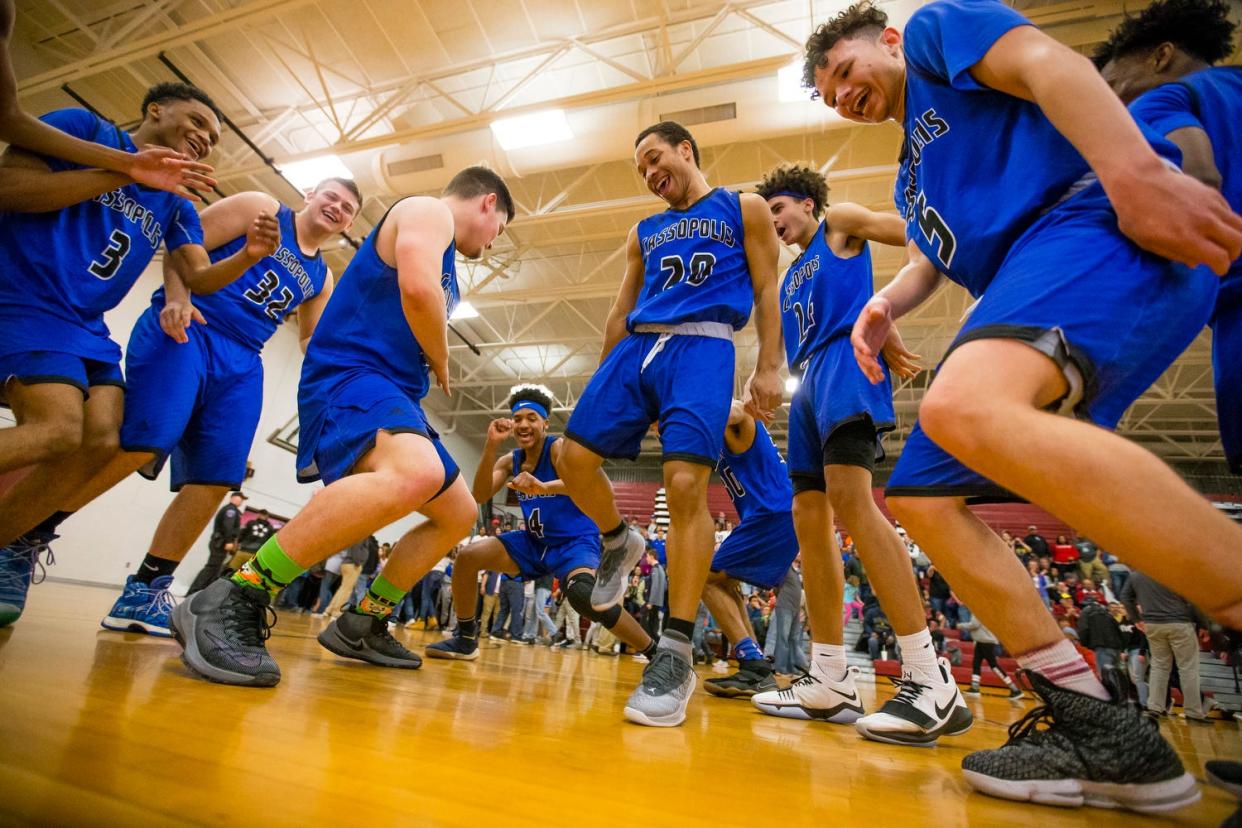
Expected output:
(830, 658)
(974, 679)
(1062, 665)
(918, 652)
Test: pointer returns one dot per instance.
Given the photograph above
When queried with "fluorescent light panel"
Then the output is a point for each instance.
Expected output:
(306, 174)
(464, 310)
(789, 84)
(536, 129)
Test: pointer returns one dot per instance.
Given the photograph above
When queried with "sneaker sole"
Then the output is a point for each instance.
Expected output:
(639, 717)
(1149, 798)
(432, 652)
(332, 641)
(130, 625)
(193, 659)
(9, 616)
(844, 714)
(959, 721)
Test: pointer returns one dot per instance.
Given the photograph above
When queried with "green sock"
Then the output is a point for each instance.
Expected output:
(270, 570)
(381, 598)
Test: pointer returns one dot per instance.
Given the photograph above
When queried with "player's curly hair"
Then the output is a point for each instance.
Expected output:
(860, 18)
(173, 91)
(796, 178)
(1201, 28)
(535, 393)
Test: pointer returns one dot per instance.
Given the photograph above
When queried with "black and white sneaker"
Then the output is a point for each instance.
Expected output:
(366, 638)
(1075, 749)
(616, 561)
(924, 709)
(222, 629)
(753, 676)
(815, 697)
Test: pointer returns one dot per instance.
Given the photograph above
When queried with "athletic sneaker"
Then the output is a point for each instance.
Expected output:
(142, 607)
(661, 697)
(924, 709)
(814, 696)
(222, 629)
(615, 565)
(753, 676)
(1016, 694)
(366, 638)
(1226, 775)
(972, 690)
(460, 647)
(1075, 749)
(18, 562)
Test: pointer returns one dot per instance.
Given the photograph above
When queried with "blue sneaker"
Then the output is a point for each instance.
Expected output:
(142, 608)
(18, 562)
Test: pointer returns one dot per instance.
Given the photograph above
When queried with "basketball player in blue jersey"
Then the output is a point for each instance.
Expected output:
(195, 393)
(72, 243)
(758, 551)
(1086, 294)
(363, 432)
(836, 419)
(1166, 55)
(558, 539)
(161, 168)
(692, 275)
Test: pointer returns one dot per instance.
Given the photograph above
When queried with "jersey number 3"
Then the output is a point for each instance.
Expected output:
(262, 292)
(109, 261)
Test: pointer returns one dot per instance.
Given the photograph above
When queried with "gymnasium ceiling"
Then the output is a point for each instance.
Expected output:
(404, 91)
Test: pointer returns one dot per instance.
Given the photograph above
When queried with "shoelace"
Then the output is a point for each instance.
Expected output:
(161, 602)
(33, 570)
(379, 628)
(908, 690)
(663, 670)
(1027, 728)
(247, 620)
(804, 680)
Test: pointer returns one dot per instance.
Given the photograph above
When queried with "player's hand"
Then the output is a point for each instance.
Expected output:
(176, 318)
(499, 429)
(162, 168)
(263, 236)
(763, 395)
(869, 335)
(1174, 216)
(900, 361)
(527, 483)
(441, 373)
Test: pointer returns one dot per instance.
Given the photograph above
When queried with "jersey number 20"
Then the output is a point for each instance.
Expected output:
(109, 261)
(701, 265)
(262, 292)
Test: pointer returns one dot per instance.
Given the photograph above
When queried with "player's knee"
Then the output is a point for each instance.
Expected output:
(60, 438)
(578, 593)
(845, 496)
(462, 515)
(917, 512)
(101, 445)
(953, 420)
(686, 490)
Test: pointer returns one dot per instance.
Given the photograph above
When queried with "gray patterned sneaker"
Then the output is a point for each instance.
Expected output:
(753, 676)
(222, 629)
(616, 561)
(366, 638)
(1075, 749)
(661, 697)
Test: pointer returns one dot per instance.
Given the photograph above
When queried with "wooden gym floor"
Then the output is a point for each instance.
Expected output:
(101, 728)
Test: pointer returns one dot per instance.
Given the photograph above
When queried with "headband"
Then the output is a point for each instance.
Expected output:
(532, 405)
(791, 194)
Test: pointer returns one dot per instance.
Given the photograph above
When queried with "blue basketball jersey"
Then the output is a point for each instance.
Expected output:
(550, 518)
(61, 271)
(694, 265)
(821, 297)
(978, 166)
(756, 479)
(250, 309)
(1210, 100)
(364, 326)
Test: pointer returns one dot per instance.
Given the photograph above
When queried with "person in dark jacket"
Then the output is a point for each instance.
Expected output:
(1099, 632)
(224, 534)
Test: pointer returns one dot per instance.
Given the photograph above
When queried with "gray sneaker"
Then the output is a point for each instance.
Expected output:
(222, 629)
(615, 564)
(366, 638)
(660, 698)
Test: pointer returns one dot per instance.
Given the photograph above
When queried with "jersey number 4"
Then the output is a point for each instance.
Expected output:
(534, 524)
(261, 293)
(701, 265)
(109, 261)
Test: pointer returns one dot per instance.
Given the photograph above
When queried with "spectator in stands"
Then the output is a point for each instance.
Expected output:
(1020, 547)
(756, 610)
(653, 602)
(1064, 552)
(1089, 563)
(852, 604)
(938, 593)
(1168, 621)
(1040, 580)
(1066, 614)
(1088, 593)
(1035, 542)
(1135, 650)
(512, 607)
(784, 637)
(351, 570)
(881, 641)
(1118, 573)
(1099, 632)
(567, 617)
(489, 588)
(986, 647)
(331, 578)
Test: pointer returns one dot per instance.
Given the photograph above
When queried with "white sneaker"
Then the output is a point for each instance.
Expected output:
(720, 666)
(814, 696)
(925, 708)
(640, 658)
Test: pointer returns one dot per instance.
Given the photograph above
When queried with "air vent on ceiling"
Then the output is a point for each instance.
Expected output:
(702, 115)
(416, 165)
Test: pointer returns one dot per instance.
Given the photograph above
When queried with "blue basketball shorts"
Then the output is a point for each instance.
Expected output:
(759, 550)
(536, 558)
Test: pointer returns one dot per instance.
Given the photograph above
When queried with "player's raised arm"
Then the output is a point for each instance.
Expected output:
(424, 229)
(740, 432)
(310, 311)
(201, 275)
(856, 220)
(492, 472)
(764, 389)
(627, 296)
(1162, 211)
(28, 185)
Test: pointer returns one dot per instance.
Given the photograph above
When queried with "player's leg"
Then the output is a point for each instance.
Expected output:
(577, 574)
(345, 589)
(723, 597)
(486, 555)
(1015, 692)
(49, 423)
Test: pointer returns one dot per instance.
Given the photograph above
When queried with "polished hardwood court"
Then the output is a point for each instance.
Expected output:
(100, 728)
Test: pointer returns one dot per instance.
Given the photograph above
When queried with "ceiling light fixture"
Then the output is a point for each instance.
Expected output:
(306, 174)
(536, 129)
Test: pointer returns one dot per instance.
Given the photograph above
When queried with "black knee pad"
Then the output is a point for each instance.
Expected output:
(578, 593)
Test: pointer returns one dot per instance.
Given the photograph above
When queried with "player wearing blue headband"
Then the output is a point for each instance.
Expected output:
(558, 539)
